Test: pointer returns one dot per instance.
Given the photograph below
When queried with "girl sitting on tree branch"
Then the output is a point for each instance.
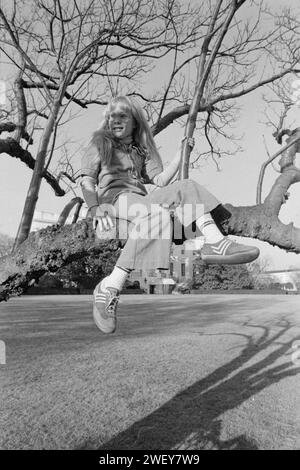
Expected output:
(122, 157)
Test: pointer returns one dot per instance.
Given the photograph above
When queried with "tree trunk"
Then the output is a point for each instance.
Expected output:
(35, 183)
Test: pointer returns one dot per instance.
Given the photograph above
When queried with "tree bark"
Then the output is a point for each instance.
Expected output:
(21, 104)
(35, 183)
(261, 223)
(48, 250)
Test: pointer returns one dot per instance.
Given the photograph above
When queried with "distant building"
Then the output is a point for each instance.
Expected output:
(43, 219)
(287, 279)
(181, 269)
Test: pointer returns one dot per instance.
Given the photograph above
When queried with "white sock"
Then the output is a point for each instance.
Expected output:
(210, 231)
(116, 279)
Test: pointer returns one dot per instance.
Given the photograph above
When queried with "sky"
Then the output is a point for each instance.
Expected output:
(235, 183)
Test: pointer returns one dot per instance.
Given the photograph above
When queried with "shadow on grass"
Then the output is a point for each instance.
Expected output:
(192, 419)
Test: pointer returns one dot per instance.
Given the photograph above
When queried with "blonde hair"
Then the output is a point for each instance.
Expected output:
(142, 135)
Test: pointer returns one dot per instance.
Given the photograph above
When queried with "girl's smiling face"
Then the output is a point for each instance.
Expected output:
(121, 121)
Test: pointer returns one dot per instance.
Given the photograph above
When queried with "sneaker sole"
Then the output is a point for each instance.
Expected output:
(237, 258)
(99, 324)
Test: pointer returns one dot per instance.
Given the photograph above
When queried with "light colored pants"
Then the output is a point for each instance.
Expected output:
(150, 238)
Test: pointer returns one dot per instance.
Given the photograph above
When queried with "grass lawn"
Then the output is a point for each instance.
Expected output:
(181, 372)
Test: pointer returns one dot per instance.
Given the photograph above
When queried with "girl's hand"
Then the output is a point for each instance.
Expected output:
(101, 220)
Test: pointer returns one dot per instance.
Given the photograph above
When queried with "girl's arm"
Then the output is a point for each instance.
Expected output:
(164, 178)
(88, 187)
(101, 220)
(90, 168)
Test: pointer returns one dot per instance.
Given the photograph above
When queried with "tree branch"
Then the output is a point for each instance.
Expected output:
(13, 148)
(239, 93)
(172, 115)
(21, 104)
(257, 222)
(23, 54)
(54, 86)
(278, 193)
(54, 247)
(266, 163)
(11, 127)
(67, 209)
(181, 111)
(46, 251)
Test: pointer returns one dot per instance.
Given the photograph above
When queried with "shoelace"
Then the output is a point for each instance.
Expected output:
(112, 305)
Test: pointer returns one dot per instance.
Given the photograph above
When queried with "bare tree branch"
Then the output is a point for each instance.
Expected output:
(13, 149)
(11, 127)
(267, 162)
(257, 85)
(67, 209)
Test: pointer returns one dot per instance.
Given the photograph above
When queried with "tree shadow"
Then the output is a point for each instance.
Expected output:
(192, 418)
